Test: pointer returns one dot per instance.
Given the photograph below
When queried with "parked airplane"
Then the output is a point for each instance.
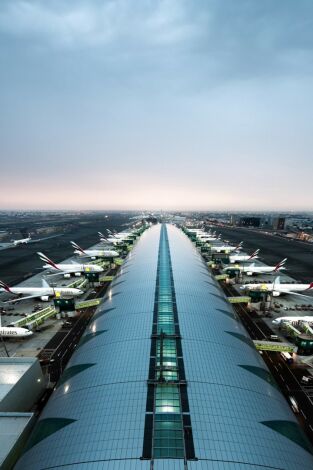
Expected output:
(280, 320)
(14, 332)
(70, 268)
(208, 236)
(120, 235)
(252, 269)
(277, 288)
(225, 248)
(110, 240)
(94, 253)
(43, 293)
(212, 238)
(115, 238)
(22, 241)
(238, 257)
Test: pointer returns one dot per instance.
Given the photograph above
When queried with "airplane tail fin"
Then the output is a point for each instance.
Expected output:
(77, 247)
(239, 245)
(310, 286)
(47, 260)
(5, 286)
(254, 254)
(280, 265)
(102, 237)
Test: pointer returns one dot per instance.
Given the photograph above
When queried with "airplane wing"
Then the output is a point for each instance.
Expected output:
(44, 238)
(21, 298)
(44, 283)
(296, 293)
(59, 273)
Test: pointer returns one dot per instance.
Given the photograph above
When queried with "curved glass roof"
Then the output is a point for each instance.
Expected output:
(95, 419)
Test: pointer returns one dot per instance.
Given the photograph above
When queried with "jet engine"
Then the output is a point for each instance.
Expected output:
(44, 298)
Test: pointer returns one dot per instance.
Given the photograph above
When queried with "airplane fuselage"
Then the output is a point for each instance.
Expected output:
(98, 253)
(251, 270)
(14, 332)
(44, 292)
(22, 241)
(278, 288)
(219, 249)
(239, 258)
(74, 268)
(280, 320)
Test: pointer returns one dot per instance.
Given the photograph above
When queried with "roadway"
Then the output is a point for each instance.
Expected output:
(274, 249)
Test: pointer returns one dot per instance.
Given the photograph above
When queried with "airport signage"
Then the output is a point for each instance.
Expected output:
(87, 304)
(274, 346)
(106, 279)
(221, 277)
(239, 300)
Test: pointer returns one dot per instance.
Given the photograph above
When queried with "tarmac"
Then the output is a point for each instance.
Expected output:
(273, 249)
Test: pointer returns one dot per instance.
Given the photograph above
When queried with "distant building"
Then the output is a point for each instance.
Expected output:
(279, 223)
(249, 221)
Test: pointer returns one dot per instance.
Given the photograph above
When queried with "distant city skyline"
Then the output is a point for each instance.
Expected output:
(172, 104)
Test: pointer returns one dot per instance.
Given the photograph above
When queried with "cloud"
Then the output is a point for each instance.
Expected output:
(92, 23)
(221, 39)
(207, 95)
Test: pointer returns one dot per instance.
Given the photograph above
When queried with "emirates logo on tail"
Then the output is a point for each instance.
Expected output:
(47, 260)
(5, 286)
(77, 247)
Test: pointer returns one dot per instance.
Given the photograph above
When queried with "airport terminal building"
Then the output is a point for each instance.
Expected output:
(166, 377)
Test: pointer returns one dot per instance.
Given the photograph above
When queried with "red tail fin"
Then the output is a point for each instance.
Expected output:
(5, 286)
(47, 260)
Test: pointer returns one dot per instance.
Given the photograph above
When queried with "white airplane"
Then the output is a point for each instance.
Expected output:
(120, 235)
(208, 236)
(94, 253)
(115, 238)
(43, 293)
(280, 320)
(277, 288)
(238, 257)
(14, 332)
(68, 269)
(211, 239)
(226, 248)
(252, 269)
(22, 241)
(110, 240)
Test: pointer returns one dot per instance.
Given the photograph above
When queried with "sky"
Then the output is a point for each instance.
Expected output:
(156, 104)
